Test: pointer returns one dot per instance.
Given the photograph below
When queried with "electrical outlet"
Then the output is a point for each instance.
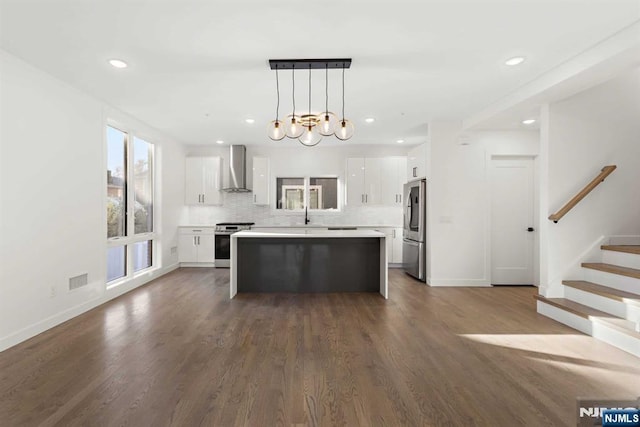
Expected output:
(52, 291)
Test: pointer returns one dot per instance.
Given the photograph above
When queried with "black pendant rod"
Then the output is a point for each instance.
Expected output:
(278, 92)
(310, 97)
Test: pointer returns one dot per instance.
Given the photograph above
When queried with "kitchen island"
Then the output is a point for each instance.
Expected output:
(309, 260)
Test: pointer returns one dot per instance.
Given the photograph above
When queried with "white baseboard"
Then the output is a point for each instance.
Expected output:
(198, 264)
(466, 283)
(552, 292)
(58, 318)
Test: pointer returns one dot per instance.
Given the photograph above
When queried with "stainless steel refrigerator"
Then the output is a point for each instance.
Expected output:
(414, 244)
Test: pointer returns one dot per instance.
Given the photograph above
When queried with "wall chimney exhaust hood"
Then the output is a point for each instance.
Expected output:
(237, 170)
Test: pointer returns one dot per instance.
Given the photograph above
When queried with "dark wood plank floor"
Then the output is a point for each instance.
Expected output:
(179, 352)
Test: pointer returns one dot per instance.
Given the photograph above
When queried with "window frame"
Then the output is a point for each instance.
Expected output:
(131, 238)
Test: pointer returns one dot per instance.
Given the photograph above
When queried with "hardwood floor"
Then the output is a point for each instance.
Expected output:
(179, 352)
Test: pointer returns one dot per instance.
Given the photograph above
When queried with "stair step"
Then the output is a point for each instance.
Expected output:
(622, 325)
(604, 291)
(574, 307)
(615, 269)
(630, 249)
(625, 326)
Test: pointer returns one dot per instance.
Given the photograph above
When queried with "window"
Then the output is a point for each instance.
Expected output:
(116, 182)
(143, 186)
(323, 193)
(130, 206)
(314, 193)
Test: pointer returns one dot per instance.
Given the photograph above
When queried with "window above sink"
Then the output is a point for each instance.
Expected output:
(317, 193)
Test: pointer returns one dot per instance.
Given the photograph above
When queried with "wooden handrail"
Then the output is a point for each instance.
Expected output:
(583, 193)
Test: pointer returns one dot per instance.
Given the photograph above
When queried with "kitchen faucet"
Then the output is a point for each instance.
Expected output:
(307, 220)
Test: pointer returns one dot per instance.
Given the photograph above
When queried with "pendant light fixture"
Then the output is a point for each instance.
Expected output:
(345, 128)
(310, 128)
(327, 123)
(310, 135)
(276, 129)
(293, 127)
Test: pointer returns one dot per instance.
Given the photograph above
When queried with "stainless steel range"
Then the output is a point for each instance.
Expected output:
(223, 233)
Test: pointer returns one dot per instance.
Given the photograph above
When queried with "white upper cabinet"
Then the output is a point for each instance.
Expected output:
(261, 180)
(374, 181)
(417, 162)
(193, 180)
(203, 181)
(393, 176)
(355, 181)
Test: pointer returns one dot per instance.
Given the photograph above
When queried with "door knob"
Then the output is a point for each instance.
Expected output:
(530, 229)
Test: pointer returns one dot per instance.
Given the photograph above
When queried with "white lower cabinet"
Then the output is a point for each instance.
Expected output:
(196, 245)
(394, 243)
(396, 252)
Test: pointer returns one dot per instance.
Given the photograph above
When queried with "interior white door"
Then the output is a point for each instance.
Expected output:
(512, 213)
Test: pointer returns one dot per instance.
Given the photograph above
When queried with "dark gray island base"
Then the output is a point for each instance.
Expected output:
(309, 262)
(308, 265)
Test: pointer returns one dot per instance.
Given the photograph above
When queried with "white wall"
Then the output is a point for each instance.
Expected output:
(52, 195)
(598, 127)
(288, 162)
(458, 200)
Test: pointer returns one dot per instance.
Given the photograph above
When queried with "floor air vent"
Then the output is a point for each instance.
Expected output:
(78, 281)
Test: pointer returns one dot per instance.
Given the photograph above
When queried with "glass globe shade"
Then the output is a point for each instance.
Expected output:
(310, 136)
(276, 130)
(327, 123)
(293, 127)
(344, 130)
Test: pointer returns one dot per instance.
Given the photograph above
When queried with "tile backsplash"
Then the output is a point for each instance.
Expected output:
(239, 207)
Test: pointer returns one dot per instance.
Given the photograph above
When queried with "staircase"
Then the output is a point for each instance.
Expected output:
(606, 304)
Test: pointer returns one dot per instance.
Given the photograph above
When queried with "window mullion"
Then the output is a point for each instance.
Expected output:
(130, 204)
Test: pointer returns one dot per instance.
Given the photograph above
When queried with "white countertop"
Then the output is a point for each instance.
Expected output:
(254, 227)
(311, 233)
(324, 226)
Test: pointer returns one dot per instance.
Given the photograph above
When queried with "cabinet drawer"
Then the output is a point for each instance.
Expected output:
(197, 230)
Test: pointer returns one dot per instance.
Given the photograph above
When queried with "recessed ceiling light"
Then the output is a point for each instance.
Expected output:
(400, 141)
(118, 63)
(219, 141)
(528, 121)
(250, 121)
(369, 120)
(516, 60)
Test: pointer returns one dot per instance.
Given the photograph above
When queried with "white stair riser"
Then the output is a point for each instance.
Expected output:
(622, 259)
(576, 322)
(597, 330)
(608, 305)
(616, 338)
(623, 283)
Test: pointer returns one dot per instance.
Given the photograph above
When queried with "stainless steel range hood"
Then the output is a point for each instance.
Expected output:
(237, 170)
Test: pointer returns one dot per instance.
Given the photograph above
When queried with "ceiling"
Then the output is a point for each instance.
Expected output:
(198, 69)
